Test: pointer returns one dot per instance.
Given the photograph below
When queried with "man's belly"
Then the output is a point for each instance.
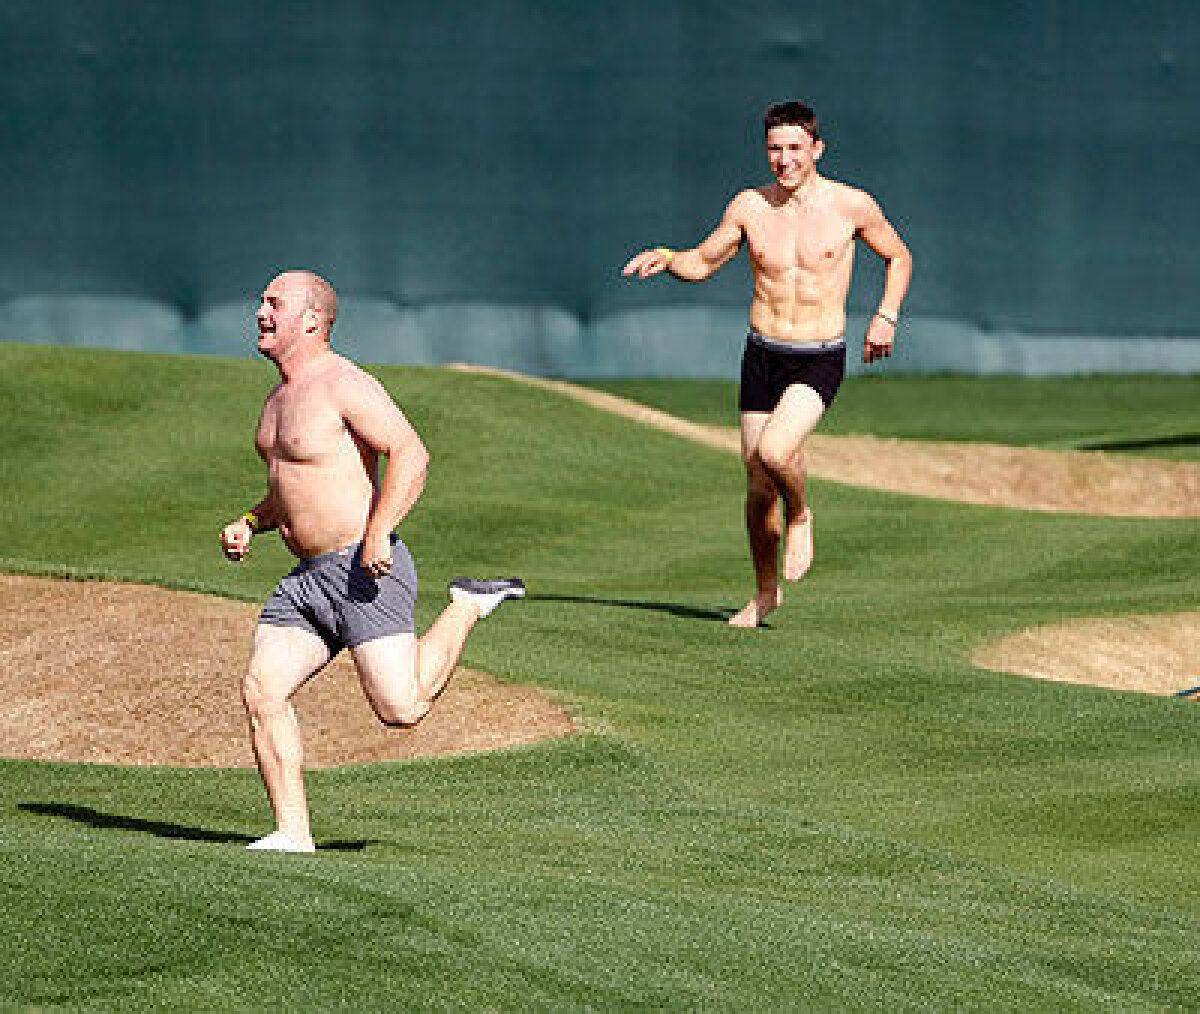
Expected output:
(323, 513)
(798, 322)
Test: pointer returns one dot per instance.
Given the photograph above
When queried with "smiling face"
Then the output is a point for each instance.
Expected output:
(280, 316)
(792, 155)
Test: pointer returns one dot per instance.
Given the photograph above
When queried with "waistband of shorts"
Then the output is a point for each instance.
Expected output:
(334, 554)
(796, 348)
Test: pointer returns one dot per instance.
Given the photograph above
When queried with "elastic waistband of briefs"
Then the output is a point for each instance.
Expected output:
(796, 348)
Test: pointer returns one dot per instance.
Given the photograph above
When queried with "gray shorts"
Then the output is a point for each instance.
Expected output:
(332, 596)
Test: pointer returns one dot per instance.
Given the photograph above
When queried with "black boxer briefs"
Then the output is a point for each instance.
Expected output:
(770, 367)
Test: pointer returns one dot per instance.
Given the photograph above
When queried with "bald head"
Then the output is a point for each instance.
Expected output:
(295, 317)
(309, 291)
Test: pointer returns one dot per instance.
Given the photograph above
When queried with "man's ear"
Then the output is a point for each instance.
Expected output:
(311, 320)
(818, 149)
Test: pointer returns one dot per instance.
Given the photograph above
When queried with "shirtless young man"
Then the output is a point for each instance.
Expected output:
(323, 434)
(799, 233)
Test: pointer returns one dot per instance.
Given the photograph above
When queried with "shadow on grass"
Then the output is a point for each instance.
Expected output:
(673, 608)
(1145, 444)
(160, 828)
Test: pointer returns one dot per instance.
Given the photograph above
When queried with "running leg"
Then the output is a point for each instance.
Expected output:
(763, 527)
(780, 451)
(402, 676)
(282, 659)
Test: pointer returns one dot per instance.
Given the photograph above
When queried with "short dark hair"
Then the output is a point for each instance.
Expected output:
(793, 114)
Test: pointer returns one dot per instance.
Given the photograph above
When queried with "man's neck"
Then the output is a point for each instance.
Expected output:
(804, 193)
(302, 361)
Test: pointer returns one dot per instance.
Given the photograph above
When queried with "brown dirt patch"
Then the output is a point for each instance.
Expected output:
(1146, 654)
(1076, 482)
(1072, 482)
(127, 674)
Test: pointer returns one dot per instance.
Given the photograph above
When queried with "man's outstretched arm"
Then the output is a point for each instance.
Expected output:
(700, 262)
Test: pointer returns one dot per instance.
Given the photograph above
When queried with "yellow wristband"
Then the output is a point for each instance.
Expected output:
(251, 519)
(665, 252)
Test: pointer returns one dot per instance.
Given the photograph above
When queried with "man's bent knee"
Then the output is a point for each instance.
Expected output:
(258, 700)
(401, 715)
(776, 455)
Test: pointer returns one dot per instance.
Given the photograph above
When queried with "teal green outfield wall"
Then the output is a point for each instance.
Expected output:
(472, 175)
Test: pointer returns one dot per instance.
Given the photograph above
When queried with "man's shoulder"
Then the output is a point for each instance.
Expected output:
(345, 374)
(340, 366)
(754, 197)
(354, 390)
(847, 196)
(333, 378)
(748, 201)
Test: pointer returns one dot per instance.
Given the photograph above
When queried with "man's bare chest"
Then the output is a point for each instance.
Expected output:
(813, 243)
(301, 428)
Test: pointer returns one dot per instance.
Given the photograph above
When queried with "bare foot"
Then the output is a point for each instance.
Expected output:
(757, 609)
(798, 555)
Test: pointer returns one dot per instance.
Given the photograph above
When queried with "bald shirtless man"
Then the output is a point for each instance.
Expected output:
(799, 234)
(323, 434)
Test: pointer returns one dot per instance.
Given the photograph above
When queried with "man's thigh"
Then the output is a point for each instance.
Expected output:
(387, 669)
(794, 418)
(283, 658)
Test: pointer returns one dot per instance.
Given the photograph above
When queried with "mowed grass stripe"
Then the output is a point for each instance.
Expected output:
(835, 811)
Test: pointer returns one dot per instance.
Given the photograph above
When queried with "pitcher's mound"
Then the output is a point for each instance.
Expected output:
(128, 674)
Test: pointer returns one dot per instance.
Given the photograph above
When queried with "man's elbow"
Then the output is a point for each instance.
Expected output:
(409, 458)
(416, 461)
(901, 261)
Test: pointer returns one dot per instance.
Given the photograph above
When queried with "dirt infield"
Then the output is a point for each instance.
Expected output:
(127, 674)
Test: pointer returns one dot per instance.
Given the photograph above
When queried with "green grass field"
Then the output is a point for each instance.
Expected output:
(1143, 414)
(838, 812)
